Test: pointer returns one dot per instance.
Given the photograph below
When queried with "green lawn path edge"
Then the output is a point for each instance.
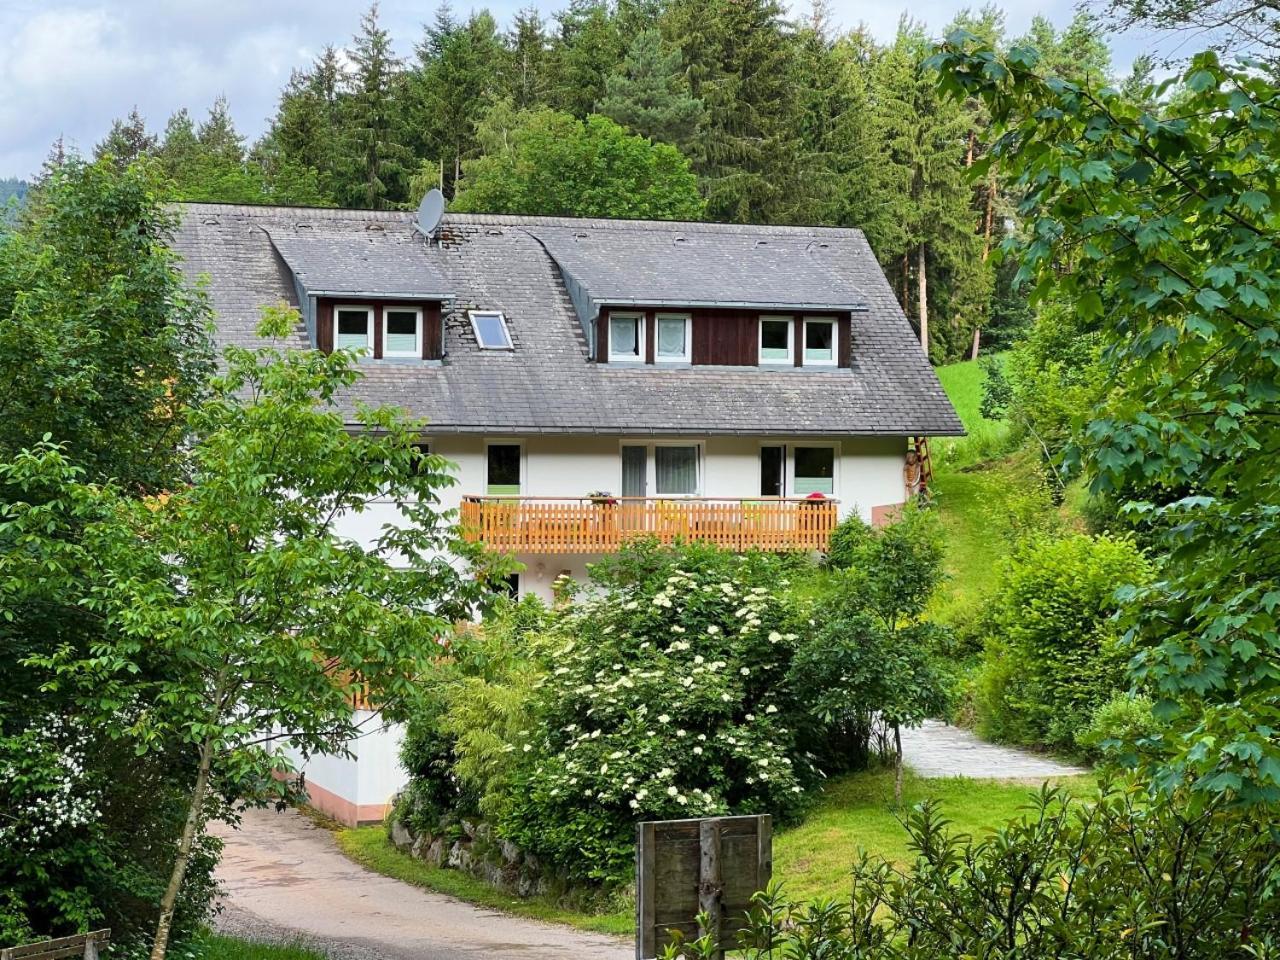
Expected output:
(217, 947)
(811, 859)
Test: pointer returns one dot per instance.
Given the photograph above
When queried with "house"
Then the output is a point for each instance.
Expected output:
(597, 380)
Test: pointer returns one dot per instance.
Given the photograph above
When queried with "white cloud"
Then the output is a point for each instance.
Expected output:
(69, 67)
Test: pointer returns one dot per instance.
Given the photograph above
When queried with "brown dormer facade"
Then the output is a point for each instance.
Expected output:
(392, 329)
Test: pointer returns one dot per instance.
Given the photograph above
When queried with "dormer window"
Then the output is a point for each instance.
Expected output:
(775, 340)
(819, 342)
(673, 335)
(402, 332)
(626, 336)
(354, 326)
(490, 328)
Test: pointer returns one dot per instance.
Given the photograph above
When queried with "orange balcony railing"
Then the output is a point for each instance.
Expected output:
(511, 524)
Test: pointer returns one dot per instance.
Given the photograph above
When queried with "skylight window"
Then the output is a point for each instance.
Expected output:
(490, 327)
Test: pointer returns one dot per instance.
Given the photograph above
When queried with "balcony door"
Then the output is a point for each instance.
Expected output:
(503, 475)
(635, 469)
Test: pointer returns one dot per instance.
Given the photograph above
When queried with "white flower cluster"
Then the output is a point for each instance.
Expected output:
(47, 786)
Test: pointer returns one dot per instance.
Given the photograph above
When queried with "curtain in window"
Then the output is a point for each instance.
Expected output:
(676, 470)
(633, 469)
(624, 336)
(819, 340)
(671, 338)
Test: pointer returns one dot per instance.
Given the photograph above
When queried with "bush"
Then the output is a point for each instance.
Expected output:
(1052, 654)
(1118, 878)
(1118, 728)
(664, 697)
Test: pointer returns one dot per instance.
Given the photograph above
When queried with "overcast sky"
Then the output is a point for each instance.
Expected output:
(68, 67)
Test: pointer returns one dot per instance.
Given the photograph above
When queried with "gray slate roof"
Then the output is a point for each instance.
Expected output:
(548, 383)
(687, 264)
(375, 265)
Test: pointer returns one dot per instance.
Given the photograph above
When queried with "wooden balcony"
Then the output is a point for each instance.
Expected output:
(583, 525)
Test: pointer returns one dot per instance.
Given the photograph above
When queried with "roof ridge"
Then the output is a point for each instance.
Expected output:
(481, 219)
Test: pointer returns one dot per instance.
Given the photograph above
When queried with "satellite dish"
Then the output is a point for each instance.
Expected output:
(430, 212)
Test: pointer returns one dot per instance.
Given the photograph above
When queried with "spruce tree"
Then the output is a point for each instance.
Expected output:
(127, 140)
(218, 137)
(740, 60)
(376, 158)
(527, 64)
(586, 50)
(651, 95)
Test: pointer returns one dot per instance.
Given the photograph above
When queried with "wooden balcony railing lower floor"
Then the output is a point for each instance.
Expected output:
(583, 525)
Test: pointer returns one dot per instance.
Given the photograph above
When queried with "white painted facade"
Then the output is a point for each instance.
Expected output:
(868, 474)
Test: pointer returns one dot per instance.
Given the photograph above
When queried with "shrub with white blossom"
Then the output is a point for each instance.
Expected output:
(664, 697)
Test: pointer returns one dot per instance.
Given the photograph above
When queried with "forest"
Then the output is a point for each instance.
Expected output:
(670, 109)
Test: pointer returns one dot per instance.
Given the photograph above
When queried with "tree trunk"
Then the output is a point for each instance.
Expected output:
(897, 771)
(906, 281)
(988, 218)
(977, 339)
(193, 822)
(923, 293)
(968, 159)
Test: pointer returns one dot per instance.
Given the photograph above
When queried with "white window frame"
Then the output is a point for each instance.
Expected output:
(368, 324)
(475, 329)
(417, 332)
(524, 465)
(835, 342)
(651, 465)
(836, 448)
(640, 340)
(791, 341)
(685, 357)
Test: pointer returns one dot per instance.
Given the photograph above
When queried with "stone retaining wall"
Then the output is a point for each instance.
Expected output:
(472, 848)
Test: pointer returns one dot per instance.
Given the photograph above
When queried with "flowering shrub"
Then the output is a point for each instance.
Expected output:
(665, 697)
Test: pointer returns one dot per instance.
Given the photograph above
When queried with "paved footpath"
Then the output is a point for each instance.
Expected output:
(937, 749)
(285, 881)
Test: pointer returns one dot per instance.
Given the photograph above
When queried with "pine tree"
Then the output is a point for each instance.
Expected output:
(376, 158)
(306, 127)
(127, 140)
(740, 61)
(651, 95)
(1077, 50)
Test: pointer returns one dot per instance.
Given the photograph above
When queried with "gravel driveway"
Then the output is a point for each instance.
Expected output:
(286, 881)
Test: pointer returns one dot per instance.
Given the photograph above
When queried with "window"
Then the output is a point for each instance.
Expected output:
(773, 463)
(675, 470)
(420, 463)
(635, 467)
(819, 343)
(491, 331)
(402, 332)
(353, 328)
(626, 337)
(815, 471)
(503, 476)
(509, 585)
(673, 338)
(775, 340)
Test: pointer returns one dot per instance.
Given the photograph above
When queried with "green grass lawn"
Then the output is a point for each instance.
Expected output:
(963, 384)
(812, 859)
(214, 947)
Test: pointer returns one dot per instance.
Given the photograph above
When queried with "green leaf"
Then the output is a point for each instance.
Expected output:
(1211, 300)
(1201, 80)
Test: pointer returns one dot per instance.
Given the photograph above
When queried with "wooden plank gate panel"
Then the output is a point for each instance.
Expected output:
(712, 865)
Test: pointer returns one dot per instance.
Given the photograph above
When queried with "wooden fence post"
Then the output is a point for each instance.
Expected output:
(711, 886)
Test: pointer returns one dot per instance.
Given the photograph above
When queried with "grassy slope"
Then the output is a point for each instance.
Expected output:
(812, 859)
(231, 948)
